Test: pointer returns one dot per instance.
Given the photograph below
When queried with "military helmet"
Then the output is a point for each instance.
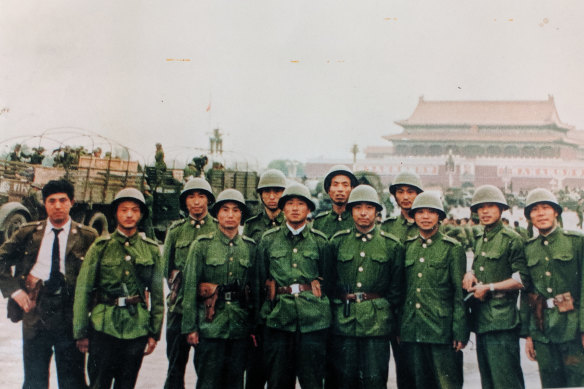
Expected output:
(271, 178)
(131, 194)
(364, 194)
(296, 190)
(428, 200)
(488, 194)
(231, 195)
(336, 171)
(406, 178)
(540, 195)
(199, 184)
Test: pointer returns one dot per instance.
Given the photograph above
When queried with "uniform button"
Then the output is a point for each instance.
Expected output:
(362, 254)
(359, 284)
(482, 268)
(294, 250)
(202, 222)
(364, 239)
(127, 272)
(230, 244)
(230, 273)
(549, 290)
(126, 243)
(340, 219)
(429, 241)
(483, 254)
(422, 259)
(228, 302)
(198, 226)
(547, 273)
(418, 305)
(418, 290)
(545, 242)
(360, 268)
(424, 245)
(192, 222)
(547, 258)
(485, 239)
(294, 265)
(231, 259)
(419, 275)
(273, 224)
(127, 257)
(369, 236)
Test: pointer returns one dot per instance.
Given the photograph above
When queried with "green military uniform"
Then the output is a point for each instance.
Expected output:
(296, 323)
(372, 264)
(522, 231)
(229, 263)
(118, 333)
(330, 222)
(178, 240)
(555, 265)
(433, 314)
(257, 225)
(498, 255)
(400, 227)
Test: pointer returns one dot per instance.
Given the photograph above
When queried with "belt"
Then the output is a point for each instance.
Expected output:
(121, 301)
(231, 296)
(360, 296)
(293, 289)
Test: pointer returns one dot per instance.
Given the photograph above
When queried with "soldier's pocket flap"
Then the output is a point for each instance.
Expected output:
(379, 257)
(564, 257)
(144, 261)
(245, 262)
(345, 256)
(215, 260)
(183, 243)
(312, 254)
(532, 261)
(410, 261)
(494, 253)
(277, 254)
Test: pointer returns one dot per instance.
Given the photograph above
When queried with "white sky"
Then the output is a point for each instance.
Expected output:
(286, 79)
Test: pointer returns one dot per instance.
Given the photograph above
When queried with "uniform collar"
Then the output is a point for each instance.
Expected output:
(551, 237)
(125, 240)
(194, 222)
(431, 240)
(229, 242)
(493, 231)
(343, 216)
(367, 236)
(278, 220)
(65, 227)
(405, 221)
(302, 232)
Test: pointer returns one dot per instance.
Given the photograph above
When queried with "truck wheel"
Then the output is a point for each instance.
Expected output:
(98, 221)
(12, 223)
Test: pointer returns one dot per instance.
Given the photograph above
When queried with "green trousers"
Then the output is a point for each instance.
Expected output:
(220, 363)
(561, 365)
(499, 361)
(434, 365)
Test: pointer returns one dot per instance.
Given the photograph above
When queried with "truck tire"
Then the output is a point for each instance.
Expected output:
(98, 221)
(12, 223)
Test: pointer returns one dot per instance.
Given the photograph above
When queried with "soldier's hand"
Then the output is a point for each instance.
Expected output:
(458, 345)
(529, 349)
(193, 338)
(480, 291)
(21, 298)
(468, 281)
(150, 346)
(83, 345)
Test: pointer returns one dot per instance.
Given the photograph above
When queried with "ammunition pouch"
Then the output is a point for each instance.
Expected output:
(270, 290)
(208, 293)
(174, 282)
(536, 303)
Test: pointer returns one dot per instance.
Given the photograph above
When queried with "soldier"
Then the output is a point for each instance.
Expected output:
(555, 335)
(404, 188)
(217, 306)
(46, 256)
(434, 328)
(194, 200)
(119, 301)
(37, 157)
(270, 188)
(291, 262)
(498, 273)
(522, 231)
(367, 274)
(338, 183)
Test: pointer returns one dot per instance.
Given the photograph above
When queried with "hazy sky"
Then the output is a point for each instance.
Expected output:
(285, 79)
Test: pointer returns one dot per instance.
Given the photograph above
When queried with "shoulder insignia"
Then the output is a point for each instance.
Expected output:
(102, 240)
(318, 232)
(176, 223)
(271, 231)
(248, 239)
(389, 219)
(531, 240)
(340, 233)
(208, 236)
(322, 214)
(509, 232)
(451, 240)
(150, 241)
(389, 235)
(411, 238)
(572, 233)
(33, 225)
(253, 218)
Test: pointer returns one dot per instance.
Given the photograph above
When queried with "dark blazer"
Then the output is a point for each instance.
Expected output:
(21, 253)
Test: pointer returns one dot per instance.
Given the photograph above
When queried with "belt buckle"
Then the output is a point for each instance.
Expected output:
(550, 303)
(359, 296)
(295, 289)
(227, 296)
(121, 301)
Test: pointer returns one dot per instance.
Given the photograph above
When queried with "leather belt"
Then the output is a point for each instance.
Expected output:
(231, 296)
(360, 296)
(293, 289)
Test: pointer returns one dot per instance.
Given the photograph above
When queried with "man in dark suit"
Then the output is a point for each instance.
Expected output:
(47, 256)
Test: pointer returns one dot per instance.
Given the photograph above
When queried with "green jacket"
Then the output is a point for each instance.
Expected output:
(21, 252)
(216, 259)
(260, 223)
(176, 248)
(371, 263)
(400, 227)
(110, 262)
(288, 260)
(498, 254)
(555, 265)
(329, 222)
(434, 309)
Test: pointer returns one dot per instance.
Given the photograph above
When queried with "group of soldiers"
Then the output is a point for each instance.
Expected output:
(321, 301)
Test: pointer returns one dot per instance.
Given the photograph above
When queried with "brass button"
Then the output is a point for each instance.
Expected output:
(549, 290)
(127, 272)
(294, 265)
(192, 222)
(230, 273)
(483, 254)
(359, 284)
(340, 218)
(547, 273)
(422, 259)
(228, 302)
(547, 258)
(424, 245)
(198, 226)
(364, 239)
(429, 241)
(419, 275)
(418, 290)
(231, 259)
(482, 268)
(126, 243)
(294, 250)
(230, 244)
(360, 268)
(202, 222)
(485, 239)
(127, 257)
(362, 254)
(418, 305)
(545, 242)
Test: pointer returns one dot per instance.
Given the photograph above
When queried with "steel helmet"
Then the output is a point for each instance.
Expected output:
(131, 194)
(296, 190)
(428, 200)
(272, 178)
(364, 194)
(488, 194)
(406, 178)
(231, 195)
(540, 195)
(336, 171)
(196, 184)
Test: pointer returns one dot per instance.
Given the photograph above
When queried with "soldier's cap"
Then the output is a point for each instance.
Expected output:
(196, 184)
(486, 194)
(540, 196)
(364, 194)
(428, 200)
(58, 186)
(231, 196)
(296, 190)
(129, 194)
(271, 178)
(339, 170)
(406, 178)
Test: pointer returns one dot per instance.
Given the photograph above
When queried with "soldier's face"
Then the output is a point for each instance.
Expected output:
(364, 216)
(271, 196)
(340, 189)
(426, 219)
(404, 196)
(128, 215)
(197, 203)
(296, 211)
(58, 206)
(489, 213)
(543, 216)
(229, 216)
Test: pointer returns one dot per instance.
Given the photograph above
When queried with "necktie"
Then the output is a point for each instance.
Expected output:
(55, 276)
